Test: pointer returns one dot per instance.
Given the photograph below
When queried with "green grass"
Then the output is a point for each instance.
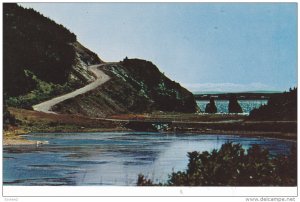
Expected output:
(43, 91)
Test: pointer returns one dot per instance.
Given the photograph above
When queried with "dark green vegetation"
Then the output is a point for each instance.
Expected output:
(165, 94)
(136, 86)
(280, 107)
(41, 59)
(232, 166)
(35, 43)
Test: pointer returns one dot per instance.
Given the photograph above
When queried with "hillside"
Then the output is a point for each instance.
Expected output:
(41, 59)
(135, 86)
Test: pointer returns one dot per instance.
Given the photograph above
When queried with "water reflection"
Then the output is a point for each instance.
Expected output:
(112, 158)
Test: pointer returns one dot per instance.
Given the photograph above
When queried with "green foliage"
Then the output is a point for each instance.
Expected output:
(231, 166)
(42, 92)
(167, 95)
(34, 42)
(280, 107)
(142, 181)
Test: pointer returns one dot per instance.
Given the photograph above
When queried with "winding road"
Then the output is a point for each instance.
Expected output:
(101, 78)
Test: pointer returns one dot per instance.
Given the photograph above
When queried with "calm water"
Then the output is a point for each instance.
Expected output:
(112, 158)
(222, 105)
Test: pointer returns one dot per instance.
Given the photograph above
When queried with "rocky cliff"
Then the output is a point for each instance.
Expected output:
(135, 86)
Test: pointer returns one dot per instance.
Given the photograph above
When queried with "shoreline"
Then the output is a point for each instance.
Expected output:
(18, 140)
(251, 134)
(228, 124)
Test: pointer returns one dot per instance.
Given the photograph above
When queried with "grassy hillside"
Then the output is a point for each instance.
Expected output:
(35, 43)
(41, 59)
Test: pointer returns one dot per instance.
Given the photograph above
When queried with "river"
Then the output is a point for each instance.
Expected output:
(112, 158)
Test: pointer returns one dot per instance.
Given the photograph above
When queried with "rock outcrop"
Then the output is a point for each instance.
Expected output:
(211, 106)
(136, 86)
(234, 106)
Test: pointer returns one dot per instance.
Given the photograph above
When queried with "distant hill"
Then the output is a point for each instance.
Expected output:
(238, 92)
(207, 92)
(251, 95)
(263, 91)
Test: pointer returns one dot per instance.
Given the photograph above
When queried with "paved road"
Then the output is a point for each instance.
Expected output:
(101, 78)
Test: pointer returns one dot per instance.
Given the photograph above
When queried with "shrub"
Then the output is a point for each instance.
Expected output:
(232, 166)
(280, 107)
(142, 181)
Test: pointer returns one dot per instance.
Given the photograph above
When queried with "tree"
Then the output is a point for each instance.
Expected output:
(280, 107)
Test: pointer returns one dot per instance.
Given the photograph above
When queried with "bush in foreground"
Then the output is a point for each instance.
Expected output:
(231, 166)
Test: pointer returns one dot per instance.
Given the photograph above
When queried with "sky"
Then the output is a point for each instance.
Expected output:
(203, 46)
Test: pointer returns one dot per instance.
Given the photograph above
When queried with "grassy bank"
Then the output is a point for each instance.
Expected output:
(231, 124)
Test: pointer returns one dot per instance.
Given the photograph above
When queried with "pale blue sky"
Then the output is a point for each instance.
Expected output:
(204, 46)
